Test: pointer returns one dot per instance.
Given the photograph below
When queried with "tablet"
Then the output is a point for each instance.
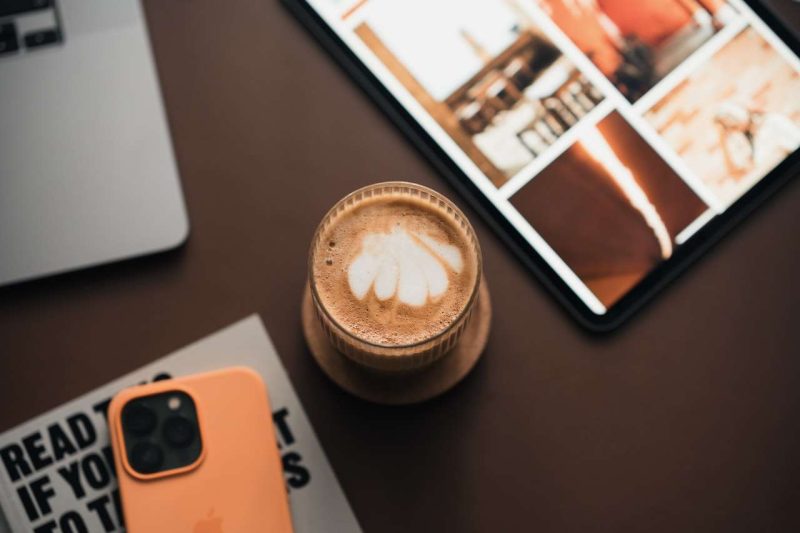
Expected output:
(609, 141)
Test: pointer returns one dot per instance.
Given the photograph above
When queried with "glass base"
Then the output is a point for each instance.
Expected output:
(400, 388)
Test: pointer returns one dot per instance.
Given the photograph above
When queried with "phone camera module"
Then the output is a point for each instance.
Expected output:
(146, 457)
(178, 432)
(161, 433)
(138, 419)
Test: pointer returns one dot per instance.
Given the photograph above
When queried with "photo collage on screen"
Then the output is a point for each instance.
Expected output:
(607, 131)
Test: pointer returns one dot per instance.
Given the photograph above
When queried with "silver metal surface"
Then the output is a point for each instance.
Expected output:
(87, 173)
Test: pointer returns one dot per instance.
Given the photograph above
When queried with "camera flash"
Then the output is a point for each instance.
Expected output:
(174, 403)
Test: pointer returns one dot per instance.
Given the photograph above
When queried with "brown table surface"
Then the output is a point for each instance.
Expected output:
(686, 419)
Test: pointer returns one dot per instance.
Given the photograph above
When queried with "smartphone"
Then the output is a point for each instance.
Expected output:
(199, 454)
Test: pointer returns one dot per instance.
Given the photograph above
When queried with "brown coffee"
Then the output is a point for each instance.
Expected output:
(394, 265)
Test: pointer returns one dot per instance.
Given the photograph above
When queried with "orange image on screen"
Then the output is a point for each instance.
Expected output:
(636, 43)
(610, 207)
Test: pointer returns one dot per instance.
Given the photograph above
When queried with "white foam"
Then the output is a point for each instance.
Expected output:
(449, 253)
(408, 266)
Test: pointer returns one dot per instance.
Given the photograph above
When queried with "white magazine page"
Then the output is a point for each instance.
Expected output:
(56, 473)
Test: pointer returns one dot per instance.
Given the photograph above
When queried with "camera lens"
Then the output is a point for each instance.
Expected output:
(138, 419)
(146, 457)
(178, 432)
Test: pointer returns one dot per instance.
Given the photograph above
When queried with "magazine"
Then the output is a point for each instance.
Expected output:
(56, 470)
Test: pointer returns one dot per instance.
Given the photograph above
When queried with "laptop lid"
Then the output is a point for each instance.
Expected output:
(87, 173)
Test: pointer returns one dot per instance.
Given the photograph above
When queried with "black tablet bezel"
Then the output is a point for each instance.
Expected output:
(645, 289)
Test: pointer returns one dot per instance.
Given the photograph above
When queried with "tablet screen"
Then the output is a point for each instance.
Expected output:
(607, 132)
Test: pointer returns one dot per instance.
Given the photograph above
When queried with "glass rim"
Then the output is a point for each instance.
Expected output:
(422, 188)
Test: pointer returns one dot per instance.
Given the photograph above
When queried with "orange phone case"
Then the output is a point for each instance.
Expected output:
(235, 486)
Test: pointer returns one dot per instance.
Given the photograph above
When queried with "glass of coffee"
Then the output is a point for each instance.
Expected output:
(394, 275)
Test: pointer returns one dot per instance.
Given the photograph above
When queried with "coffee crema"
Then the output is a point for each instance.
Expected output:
(395, 268)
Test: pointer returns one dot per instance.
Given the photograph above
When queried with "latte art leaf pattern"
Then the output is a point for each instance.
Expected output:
(408, 266)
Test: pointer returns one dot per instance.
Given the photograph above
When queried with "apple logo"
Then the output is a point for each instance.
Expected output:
(209, 524)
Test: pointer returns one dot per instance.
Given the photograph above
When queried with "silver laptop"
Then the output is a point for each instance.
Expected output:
(87, 173)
